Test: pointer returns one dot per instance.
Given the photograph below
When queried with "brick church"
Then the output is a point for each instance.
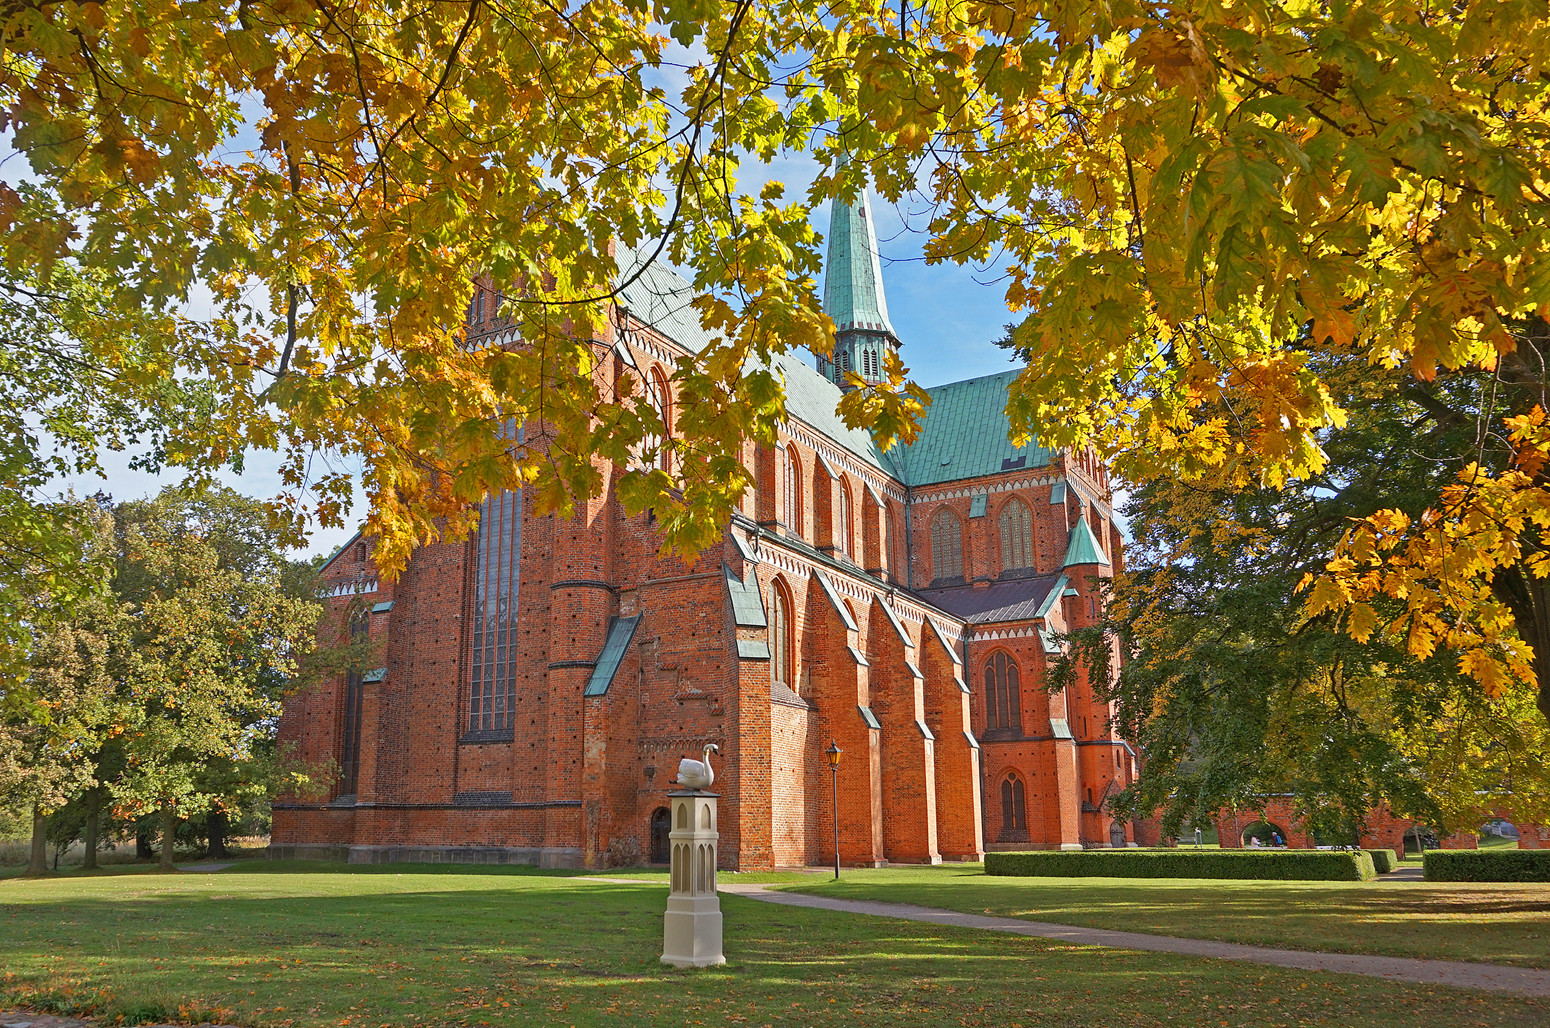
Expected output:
(540, 681)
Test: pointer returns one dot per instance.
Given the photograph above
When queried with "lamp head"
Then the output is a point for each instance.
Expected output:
(833, 753)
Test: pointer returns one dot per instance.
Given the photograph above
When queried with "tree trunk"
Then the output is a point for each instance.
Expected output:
(215, 829)
(89, 831)
(169, 831)
(143, 850)
(37, 861)
(1542, 672)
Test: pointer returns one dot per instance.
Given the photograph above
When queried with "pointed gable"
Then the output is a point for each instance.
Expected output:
(1084, 547)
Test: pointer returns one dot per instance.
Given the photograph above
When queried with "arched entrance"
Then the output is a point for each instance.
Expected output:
(1116, 835)
(661, 824)
(1499, 834)
(1418, 840)
(1262, 834)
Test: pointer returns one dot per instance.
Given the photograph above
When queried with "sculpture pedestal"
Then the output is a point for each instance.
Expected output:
(691, 928)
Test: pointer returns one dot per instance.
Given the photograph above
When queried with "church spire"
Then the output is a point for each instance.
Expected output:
(853, 294)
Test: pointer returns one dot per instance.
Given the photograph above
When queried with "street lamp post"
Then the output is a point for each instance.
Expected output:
(833, 753)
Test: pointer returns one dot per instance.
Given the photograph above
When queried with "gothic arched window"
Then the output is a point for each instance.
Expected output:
(887, 554)
(792, 491)
(1014, 815)
(350, 722)
(946, 546)
(781, 636)
(1003, 704)
(653, 452)
(1016, 536)
(842, 520)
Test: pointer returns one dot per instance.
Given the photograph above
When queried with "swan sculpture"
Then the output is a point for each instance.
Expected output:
(697, 774)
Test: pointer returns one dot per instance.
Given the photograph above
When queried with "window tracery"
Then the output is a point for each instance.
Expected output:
(1003, 701)
(946, 546)
(1016, 536)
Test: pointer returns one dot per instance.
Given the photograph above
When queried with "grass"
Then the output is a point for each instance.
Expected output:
(415, 946)
(1495, 923)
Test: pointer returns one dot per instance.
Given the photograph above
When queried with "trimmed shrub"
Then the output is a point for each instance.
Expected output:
(1383, 861)
(1486, 865)
(1279, 865)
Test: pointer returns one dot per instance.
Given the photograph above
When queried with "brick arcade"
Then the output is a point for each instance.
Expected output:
(541, 680)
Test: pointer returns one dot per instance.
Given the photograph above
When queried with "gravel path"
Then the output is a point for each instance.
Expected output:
(1519, 981)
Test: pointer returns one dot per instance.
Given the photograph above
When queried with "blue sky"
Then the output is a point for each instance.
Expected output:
(947, 318)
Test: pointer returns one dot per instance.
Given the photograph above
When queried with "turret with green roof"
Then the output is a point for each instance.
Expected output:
(1084, 547)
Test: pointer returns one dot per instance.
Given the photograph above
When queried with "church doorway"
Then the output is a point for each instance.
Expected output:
(661, 824)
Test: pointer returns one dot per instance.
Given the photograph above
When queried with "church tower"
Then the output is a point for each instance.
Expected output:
(853, 296)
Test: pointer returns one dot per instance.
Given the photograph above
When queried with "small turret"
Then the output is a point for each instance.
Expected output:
(1084, 547)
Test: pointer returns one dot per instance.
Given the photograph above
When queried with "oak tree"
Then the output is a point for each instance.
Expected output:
(1234, 692)
(212, 640)
(1191, 201)
(51, 732)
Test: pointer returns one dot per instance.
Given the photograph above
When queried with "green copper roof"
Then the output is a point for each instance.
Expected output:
(964, 435)
(1052, 597)
(620, 632)
(853, 275)
(1084, 548)
(747, 604)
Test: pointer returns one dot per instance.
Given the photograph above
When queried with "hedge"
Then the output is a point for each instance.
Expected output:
(1486, 865)
(1279, 865)
(1383, 861)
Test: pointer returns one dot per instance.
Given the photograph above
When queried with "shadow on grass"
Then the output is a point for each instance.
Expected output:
(461, 947)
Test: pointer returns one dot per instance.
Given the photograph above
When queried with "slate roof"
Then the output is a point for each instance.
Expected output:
(661, 297)
(1017, 600)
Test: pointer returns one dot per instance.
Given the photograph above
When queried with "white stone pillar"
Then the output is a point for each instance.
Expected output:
(691, 929)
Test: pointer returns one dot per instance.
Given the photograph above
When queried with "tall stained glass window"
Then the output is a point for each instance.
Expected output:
(1003, 702)
(791, 486)
(842, 521)
(780, 627)
(653, 452)
(350, 722)
(946, 546)
(1014, 816)
(493, 686)
(1016, 536)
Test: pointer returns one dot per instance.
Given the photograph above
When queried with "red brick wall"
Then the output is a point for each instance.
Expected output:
(586, 773)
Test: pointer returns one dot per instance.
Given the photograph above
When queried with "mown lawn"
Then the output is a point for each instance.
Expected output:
(1494, 923)
(259, 945)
